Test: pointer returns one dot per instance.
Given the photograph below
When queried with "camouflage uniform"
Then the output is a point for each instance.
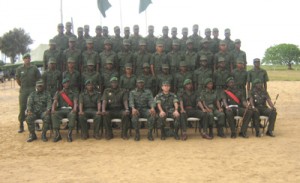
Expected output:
(180, 77)
(167, 41)
(215, 41)
(73, 53)
(91, 75)
(61, 39)
(135, 38)
(255, 73)
(106, 75)
(228, 41)
(228, 59)
(52, 79)
(140, 58)
(200, 75)
(150, 40)
(157, 60)
(196, 38)
(240, 79)
(209, 55)
(52, 52)
(183, 39)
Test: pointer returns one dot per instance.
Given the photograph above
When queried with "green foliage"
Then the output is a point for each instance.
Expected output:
(15, 42)
(282, 54)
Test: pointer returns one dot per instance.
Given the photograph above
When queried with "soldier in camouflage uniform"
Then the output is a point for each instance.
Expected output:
(180, 77)
(190, 56)
(184, 38)
(73, 52)
(125, 56)
(38, 106)
(158, 58)
(257, 73)
(167, 104)
(61, 39)
(240, 76)
(135, 38)
(86, 35)
(167, 41)
(220, 76)
(175, 56)
(196, 38)
(128, 79)
(108, 73)
(52, 52)
(68, 32)
(164, 76)
(224, 53)
(150, 40)
(259, 98)
(108, 53)
(52, 78)
(174, 34)
(105, 33)
(64, 106)
(80, 43)
(212, 106)
(142, 106)
(189, 108)
(238, 54)
(90, 55)
(140, 58)
(98, 40)
(92, 75)
(73, 75)
(115, 105)
(149, 80)
(90, 107)
(228, 41)
(26, 76)
(126, 33)
(205, 51)
(117, 40)
(201, 74)
(215, 41)
(236, 105)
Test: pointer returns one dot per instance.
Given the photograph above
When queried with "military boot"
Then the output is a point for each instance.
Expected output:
(69, 137)
(124, 134)
(163, 135)
(176, 136)
(233, 135)
(44, 137)
(150, 137)
(211, 133)
(137, 135)
(21, 128)
(32, 137)
(184, 136)
(221, 132)
(57, 136)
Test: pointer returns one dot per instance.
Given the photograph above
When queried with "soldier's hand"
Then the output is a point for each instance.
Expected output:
(81, 113)
(273, 108)
(152, 112)
(209, 110)
(182, 111)
(162, 114)
(104, 113)
(127, 112)
(135, 112)
(228, 109)
(73, 111)
(48, 112)
(98, 113)
(220, 110)
(176, 114)
(29, 113)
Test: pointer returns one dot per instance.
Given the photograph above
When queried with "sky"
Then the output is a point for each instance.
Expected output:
(258, 24)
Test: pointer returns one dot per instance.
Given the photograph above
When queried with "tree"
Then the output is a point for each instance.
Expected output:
(283, 54)
(15, 42)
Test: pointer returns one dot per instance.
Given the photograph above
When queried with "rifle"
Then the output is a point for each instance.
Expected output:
(267, 122)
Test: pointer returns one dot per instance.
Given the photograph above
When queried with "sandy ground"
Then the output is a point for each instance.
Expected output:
(195, 160)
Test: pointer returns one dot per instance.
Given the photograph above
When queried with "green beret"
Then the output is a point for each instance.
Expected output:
(165, 28)
(72, 39)
(185, 29)
(39, 83)
(187, 81)
(60, 25)
(142, 42)
(165, 66)
(128, 65)
(126, 29)
(98, 27)
(159, 42)
(215, 30)
(166, 82)
(79, 29)
(256, 60)
(109, 61)
(68, 23)
(90, 62)
(240, 61)
(86, 27)
(107, 41)
(176, 42)
(203, 57)
(51, 41)
(104, 28)
(65, 80)
(237, 41)
(182, 64)
(52, 60)
(140, 80)
(126, 42)
(174, 29)
(221, 59)
(207, 30)
(229, 79)
(227, 31)
(89, 41)
(208, 80)
(188, 41)
(146, 65)
(222, 42)
(26, 55)
(113, 79)
(89, 81)
(116, 28)
(256, 81)
(71, 60)
(204, 40)
(135, 27)
(150, 27)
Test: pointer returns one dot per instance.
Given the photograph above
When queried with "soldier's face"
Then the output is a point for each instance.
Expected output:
(240, 66)
(159, 49)
(80, 33)
(117, 32)
(140, 85)
(66, 84)
(107, 47)
(26, 60)
(256, 64)
(165, 32)
(175, 47)
(190, 46)
(227, 35)
(98, 31)
(165, 88)
(208, 34)
(109, 66)
(150, 31)
(86, 31)
(68, 28)
(89, 87)
(221, 64)
(136, 31)
(114, 84)
(142, 47)
(89, 46)
(165, 70)
(259, 86)
(182, 69)
(40, 88)
(146, 69)
(60, 30)
(52, 66)
(90, 67)
(195, 30)
(72, 44)
(238, 45)
(189, 86)
(105, 32)
(223, 47)
(230, 84)
(128, 70)
(210, 85)
(71, 65)
(52, 46)
(205, 45)
(174, 33)
(184, 34)
(203, 62)
(126, 32)
(216, 34)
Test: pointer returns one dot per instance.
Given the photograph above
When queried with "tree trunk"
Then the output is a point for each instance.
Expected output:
(289, 66)
(12, 59)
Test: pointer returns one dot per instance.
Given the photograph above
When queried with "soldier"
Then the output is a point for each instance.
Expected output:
(117, 40)
(26, 77)
(220, 76)
(175, 57)
(135, 38)
(257, 73)
(128, 80)
(180, 77)
(151, 40)
(89, 54)
(108, 73)
(140, 58)
(215, 41)
(61, 39)
(107, 53)
(240, 76)
(38, 106)
(125, 56)
(52, 78)
(236, 105)
(184, 38)
(205, 51)
(200, 75)
(73, 52)
(224, 53)
(90, 107)
(158, 58)
(68, 32)
(174, 34)
(126, 33)
(196, 38)
(73, 75)
(228, 41)
(105, 33)
(115, 105)
(80, 43)
(52, 52)
(167, 104)
(164, 76)
(142, 106)
(98, 40)
(259, 98)
(207, 33)
(86, 34)
(189, 108)
(190, 56)
(239, 54)
(212, 106)
(149, 80)
(167, 41)
(92, 75)
(64, 106)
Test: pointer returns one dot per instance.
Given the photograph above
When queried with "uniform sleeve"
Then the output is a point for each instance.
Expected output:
(125, 96)
(30, 102)
(131, 99)
(158, 99)
(81, 98)
(266, 77)
(49, 101)
(151, 102)
(18, 73)
(175, 99)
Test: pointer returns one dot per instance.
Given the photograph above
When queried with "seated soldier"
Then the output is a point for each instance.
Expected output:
(38, 106)
(188, 106)
(90, 107)
(259, 98)
(115, 105)
(142, 105)
(64, 106)
(167, 104)
(213, 108)
(236, 105)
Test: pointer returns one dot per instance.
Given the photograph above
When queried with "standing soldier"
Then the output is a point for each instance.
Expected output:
(205, 51)
(184, 38)
(38, 106)
(98, 40)
(135, 38)
(117, 40)
(238, 53)
(224, 53)
(151, 40)
(80, 44)
(52, 78)
(26, 77)
(167, 41)
(64, 106)
(105, 33)
(175, 57)
(174, 34)
(201, 74)
(212, 106)
(72, 75)
(61, 39)
(158, 58)
(189, 108)
(257, 73)
(180, 77)
(90, 107)
(126, 33)
(164, 76)
(228, 41)
(52, 52)
(73, 52)
(125, 56)
(128, 80)
(142, 105)
(190, 56)
(240, 76)
(86, 32)
(167, 104)
(215, 41)
(107, 53)
(91, 74)
(259, 98)
(196, 38)
(115, 105)
(220, 76)
(68, 32)
(140, 58)
(149, 80)
(108, 73)
(236, 105)
(89, 54)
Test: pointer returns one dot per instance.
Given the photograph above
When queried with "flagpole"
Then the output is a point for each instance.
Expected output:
(121, 19)
(61, 12)
(146, 21)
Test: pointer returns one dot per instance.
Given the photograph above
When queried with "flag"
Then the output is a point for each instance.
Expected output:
(144, 4)
(103, 5)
